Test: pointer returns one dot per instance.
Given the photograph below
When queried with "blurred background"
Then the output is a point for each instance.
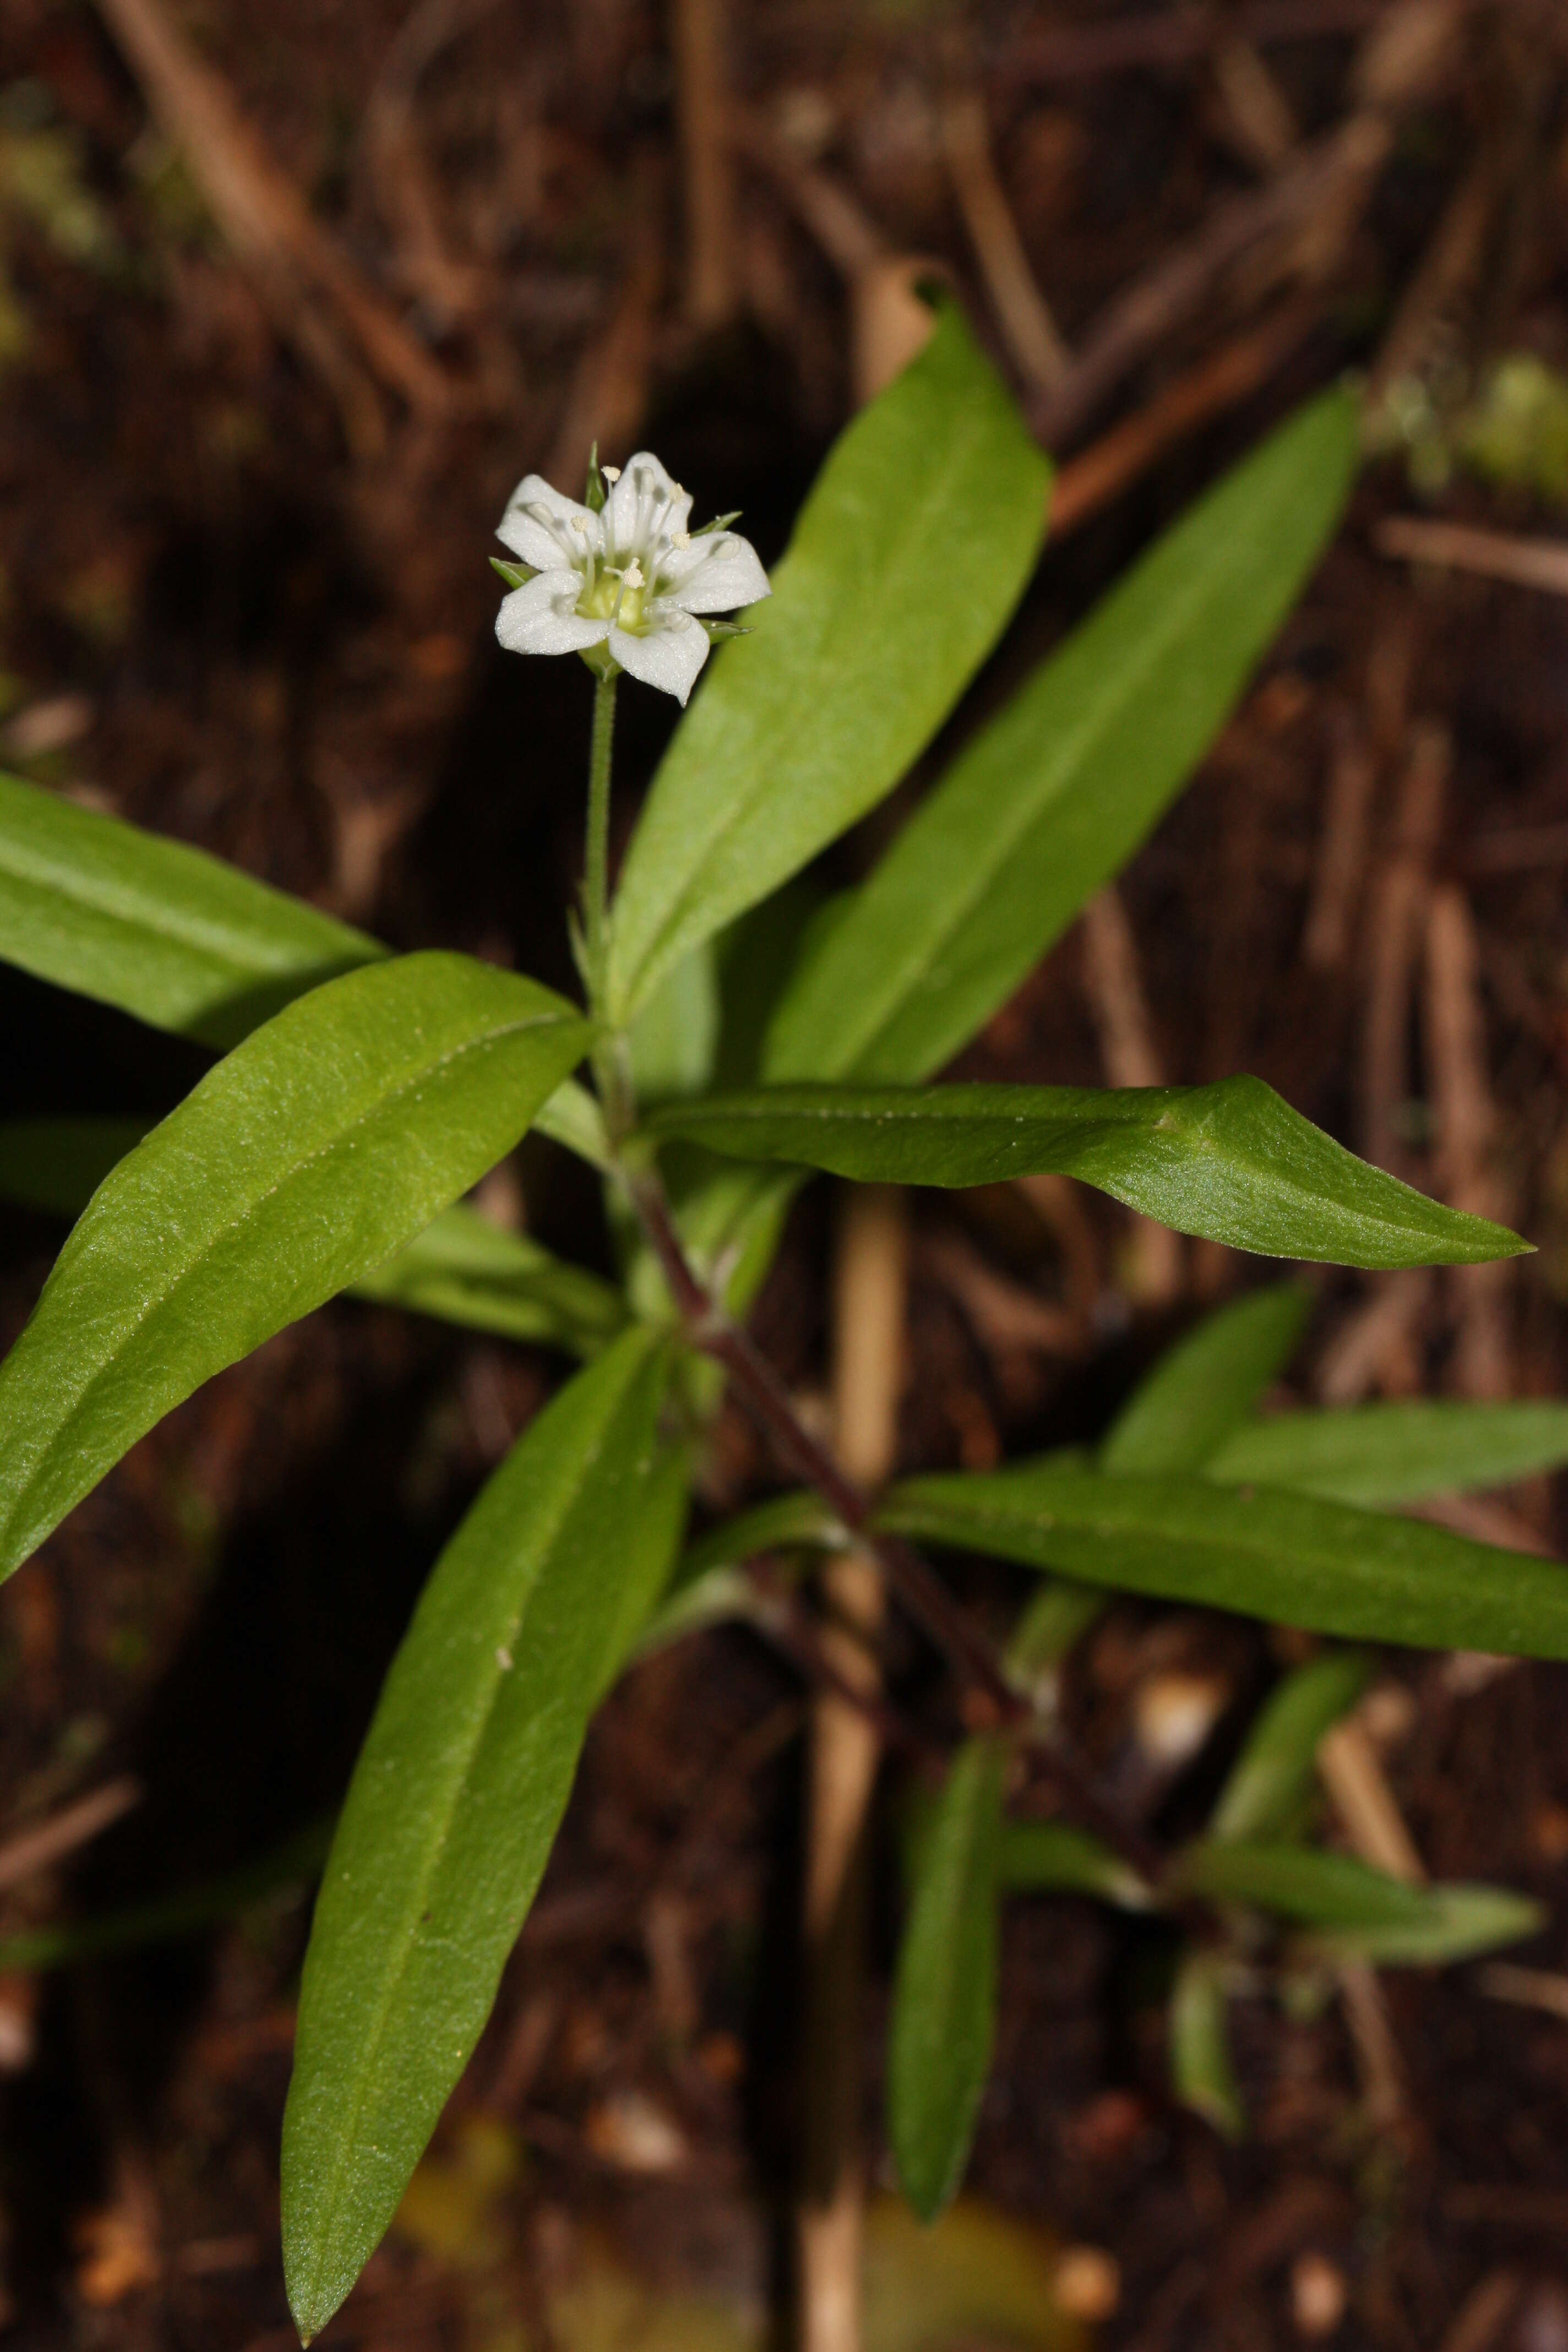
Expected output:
(290, 297)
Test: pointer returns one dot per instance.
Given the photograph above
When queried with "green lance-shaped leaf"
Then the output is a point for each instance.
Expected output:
(452, 1811)
(1400, 1452)
(321, 1144)
(1272, 1778)
(1301, 1883)
(650, 1555)
(158, 928)
(1202, 2075)
(1230, 1162)
(1459, 1922)
(1050, 799)
(906, 561)
(1201, 1389)
(461, 1269)
(711, 1584)
(943, 2020)
(183, 940)
(1056, 1858)
(1289, 1559)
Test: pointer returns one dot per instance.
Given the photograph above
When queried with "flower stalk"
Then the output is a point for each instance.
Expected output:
(596, 863)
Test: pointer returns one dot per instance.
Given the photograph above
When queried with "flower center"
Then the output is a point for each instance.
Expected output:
(617, 592)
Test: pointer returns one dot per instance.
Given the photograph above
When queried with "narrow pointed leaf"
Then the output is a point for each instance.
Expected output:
(649, 1558)
(1201, 1389)
(1056, 1858)
(452, 1811)
(183, 941)
(907, 560)
(1459, 1922)
(1273, 1778)
(944, 2019)
(800, 1517)
(1289, 1559)
(462, 1269)
(1400, 1452)
(1230, 1162)
(1304, 1883)
(321, 1144)
(179, 939)
(711, 1584)
(1202, 2075)
(1058, 1617)
(1051, 798)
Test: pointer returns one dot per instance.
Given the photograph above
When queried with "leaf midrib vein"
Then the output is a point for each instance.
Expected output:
(297, 1168)
(960, 904)
(743, 803)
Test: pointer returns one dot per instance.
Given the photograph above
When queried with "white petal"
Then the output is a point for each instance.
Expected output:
(560, 532)
(714, 576)
(645, 505)
(669, 657)
(539, 619)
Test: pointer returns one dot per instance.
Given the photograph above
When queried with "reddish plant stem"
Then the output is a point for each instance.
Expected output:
(920, 1590)
(991, 1702)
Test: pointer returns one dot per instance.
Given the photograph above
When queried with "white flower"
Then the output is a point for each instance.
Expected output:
(633, 578)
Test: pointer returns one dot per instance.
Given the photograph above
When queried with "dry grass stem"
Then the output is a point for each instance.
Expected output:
(1127, 1051)
(1460, 547)
(1109, 465)
(1340, 868)
(1034, 342)
(1349, 1769)
(1397, 927)
(312, 290)
(871, 1279)
(1485, 2313)
(1254, 110)
(51, 1841)
(1466, 1124)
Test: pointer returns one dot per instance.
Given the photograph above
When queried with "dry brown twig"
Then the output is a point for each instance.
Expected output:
(1302, 216)
(1485, 2313)
(1341, 850)
(1112, 464)
(1448, 272)
(317, 298)
(451, 290)
(1254, 110)
(1374, 1348)
(51, 1841)
(1465, 1121)
(1397, 927)
(1005, 1316)
(1461, 547)
(1033, 339)
(699, 29)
